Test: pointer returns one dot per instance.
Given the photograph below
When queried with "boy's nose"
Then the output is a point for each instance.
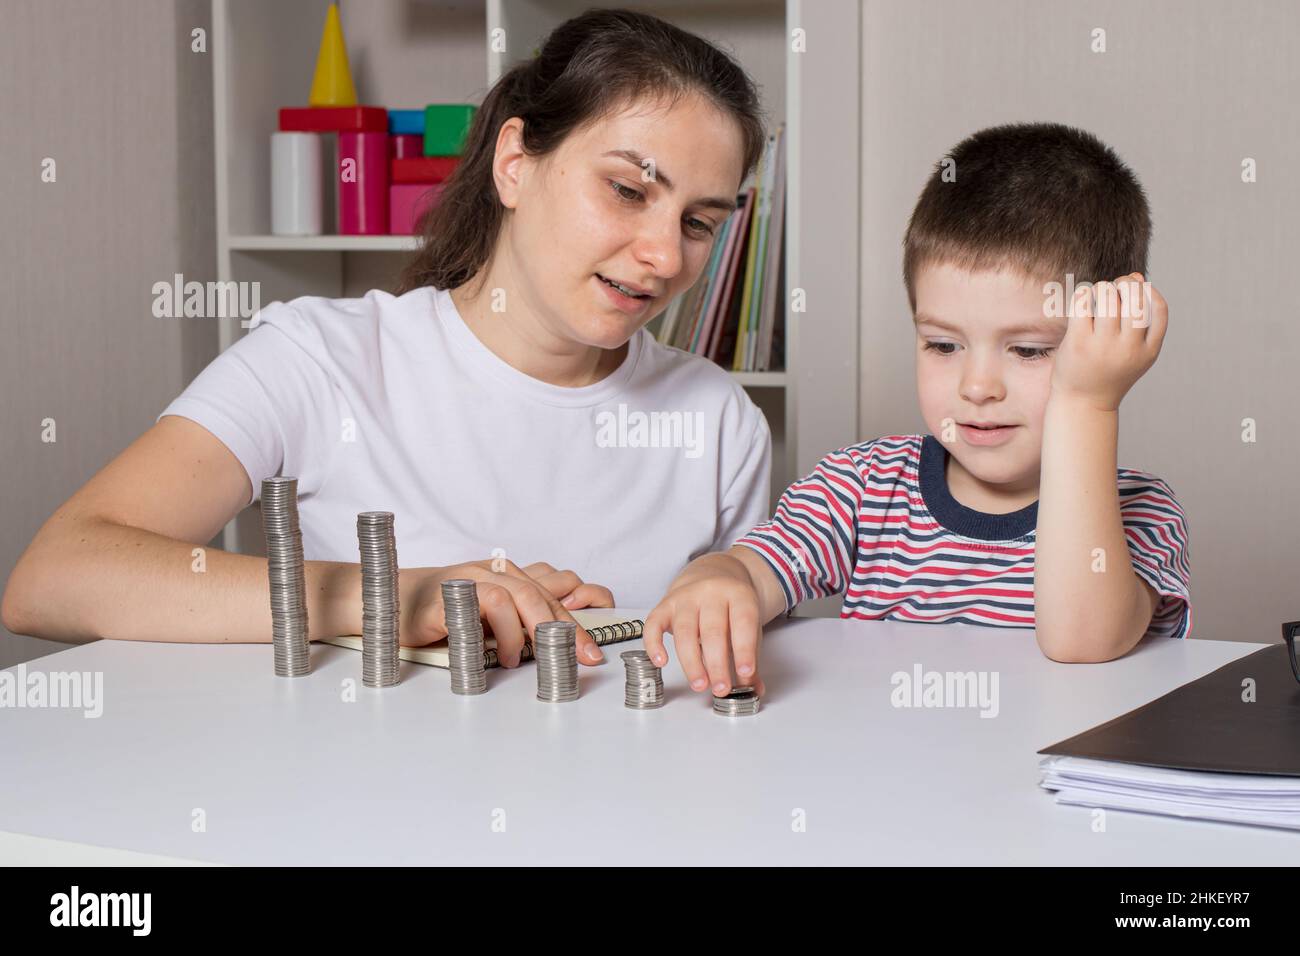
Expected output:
(977, 387)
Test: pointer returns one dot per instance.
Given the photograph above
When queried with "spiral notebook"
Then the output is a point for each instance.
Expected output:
(605, 625)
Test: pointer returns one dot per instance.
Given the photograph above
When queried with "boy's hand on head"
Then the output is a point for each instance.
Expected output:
(1114, 335)
(713, 615)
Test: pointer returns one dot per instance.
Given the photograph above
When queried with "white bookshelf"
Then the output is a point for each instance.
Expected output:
(406, 53)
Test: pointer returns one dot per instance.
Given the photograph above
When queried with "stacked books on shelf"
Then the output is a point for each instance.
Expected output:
(734, 313)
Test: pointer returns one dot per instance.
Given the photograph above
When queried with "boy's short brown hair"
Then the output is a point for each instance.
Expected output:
(1047, 199)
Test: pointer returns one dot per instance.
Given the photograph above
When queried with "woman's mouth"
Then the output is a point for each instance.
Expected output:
(624, 298)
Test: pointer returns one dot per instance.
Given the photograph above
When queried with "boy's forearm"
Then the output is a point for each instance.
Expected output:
(1086, 595)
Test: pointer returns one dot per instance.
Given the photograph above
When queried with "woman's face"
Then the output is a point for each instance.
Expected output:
(638, 198)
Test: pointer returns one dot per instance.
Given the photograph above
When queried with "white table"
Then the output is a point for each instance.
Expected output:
(286, 772)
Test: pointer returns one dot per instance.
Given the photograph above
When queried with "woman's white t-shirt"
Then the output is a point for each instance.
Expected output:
(387, 403)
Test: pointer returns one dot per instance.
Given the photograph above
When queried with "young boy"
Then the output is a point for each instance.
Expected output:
(1015, 515)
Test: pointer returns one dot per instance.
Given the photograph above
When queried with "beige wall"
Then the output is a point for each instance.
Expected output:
(112, 92)
(1185, 91)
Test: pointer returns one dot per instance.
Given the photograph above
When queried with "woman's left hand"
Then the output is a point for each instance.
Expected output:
(572, 591)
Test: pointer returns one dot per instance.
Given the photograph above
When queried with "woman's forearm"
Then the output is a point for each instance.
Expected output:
(97, 579)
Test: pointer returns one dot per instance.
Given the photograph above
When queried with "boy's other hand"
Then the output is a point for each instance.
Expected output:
(712, 611)
(1114, 335)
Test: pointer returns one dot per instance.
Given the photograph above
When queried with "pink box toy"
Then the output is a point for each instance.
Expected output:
(407, 202)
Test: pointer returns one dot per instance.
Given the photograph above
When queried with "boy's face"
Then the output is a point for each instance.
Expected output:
(984, 353)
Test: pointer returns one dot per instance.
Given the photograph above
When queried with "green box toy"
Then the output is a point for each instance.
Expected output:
(445, 128)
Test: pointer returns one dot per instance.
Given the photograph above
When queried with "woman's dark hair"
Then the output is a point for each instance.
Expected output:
(589, 67)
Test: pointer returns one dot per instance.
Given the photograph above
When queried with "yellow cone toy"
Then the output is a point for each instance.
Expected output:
(332, 84)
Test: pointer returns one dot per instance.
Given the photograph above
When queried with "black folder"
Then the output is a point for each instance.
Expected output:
(1206, 725)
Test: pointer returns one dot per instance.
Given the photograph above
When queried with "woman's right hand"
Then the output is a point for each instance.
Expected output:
(512, 602)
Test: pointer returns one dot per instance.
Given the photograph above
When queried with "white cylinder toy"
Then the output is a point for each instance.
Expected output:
(296, 187)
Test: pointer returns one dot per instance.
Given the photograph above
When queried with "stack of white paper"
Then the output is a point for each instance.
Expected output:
(1268, 800)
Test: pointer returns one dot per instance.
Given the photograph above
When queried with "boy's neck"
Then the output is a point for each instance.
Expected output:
(968, 490)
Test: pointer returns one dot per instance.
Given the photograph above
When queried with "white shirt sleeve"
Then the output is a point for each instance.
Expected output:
(745, 497)
(269, 401)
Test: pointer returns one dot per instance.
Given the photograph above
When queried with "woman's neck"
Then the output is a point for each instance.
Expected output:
(517, 336)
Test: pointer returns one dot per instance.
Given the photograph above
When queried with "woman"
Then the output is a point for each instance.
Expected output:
(508, 403)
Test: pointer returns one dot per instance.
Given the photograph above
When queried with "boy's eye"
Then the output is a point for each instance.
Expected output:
(1023, 351)
(939, 347)
(1034, 353)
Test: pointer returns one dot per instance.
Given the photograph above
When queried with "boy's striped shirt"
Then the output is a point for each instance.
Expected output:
(876, 522)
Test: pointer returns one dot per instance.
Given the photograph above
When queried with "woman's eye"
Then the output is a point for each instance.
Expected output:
(628, 194)
(938, 347)
(625, 192)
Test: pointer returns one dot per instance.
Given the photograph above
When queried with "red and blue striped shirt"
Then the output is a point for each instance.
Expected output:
(877, 523)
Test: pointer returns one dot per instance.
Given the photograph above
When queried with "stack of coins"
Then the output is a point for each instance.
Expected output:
(644, 689)
(464, 637)
(380, 611)
(555, 647)
(741, 702)
(284, 568)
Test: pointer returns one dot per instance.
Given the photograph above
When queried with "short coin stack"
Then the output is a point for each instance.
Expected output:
(644, 689)
(285, 571)
(741, 702)
(380, 611)
(464, 637)
(555, 647)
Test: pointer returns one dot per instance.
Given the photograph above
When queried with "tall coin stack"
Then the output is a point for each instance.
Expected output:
(464, 637)
(644, 689)
(555, 647)
(285, 571)
(380, 610)
(741, 702)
